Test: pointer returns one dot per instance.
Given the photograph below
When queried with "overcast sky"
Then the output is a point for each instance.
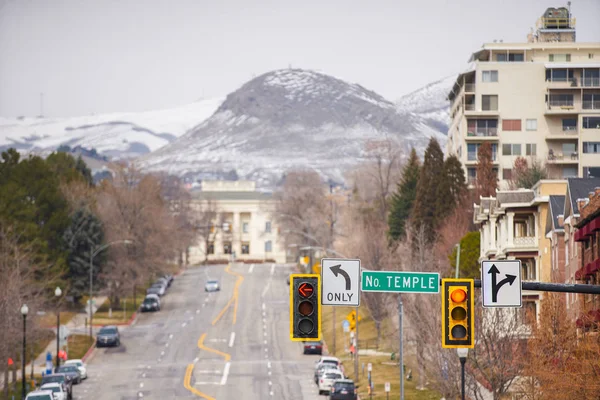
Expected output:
(132, 55)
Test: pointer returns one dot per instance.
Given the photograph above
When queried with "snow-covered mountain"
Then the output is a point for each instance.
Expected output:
(119, 135)
(429, 102)
(291, 118)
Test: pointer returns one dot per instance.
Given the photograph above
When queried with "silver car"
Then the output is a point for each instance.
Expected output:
(212, 286)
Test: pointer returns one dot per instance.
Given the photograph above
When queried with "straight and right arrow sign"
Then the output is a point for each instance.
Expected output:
(501, 283)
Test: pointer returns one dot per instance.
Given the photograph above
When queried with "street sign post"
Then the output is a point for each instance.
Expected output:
(400, 282)
(346, 326)
(340, 282)
(501, 283)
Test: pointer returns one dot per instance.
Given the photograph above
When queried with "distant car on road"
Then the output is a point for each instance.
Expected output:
(150, 303)
(57, 390)
(326, 380)
(313, 347)
(71, 371)
(160, 287)
(212, 286)
(343, 389)
(157, 290)
(323, 368)
(108, 336)
(80, 366)
(40, 395)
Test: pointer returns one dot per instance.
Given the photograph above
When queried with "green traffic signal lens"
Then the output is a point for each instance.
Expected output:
(305, 326)
(459, 332)
(459, 313)
(305, 308)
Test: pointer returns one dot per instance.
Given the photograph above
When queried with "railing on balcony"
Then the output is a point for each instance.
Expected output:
(469, 107)
(560, 156)
(591, 104)
(469, 87)
(562, 103)
(482, 132)
(567, 130)
(524, 241)
(590, 82)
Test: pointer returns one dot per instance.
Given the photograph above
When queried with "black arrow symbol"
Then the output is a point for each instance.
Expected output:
(496, 286)
(337, 269)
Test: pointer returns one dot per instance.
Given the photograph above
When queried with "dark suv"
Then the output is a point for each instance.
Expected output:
(108, 336)
(343, 389)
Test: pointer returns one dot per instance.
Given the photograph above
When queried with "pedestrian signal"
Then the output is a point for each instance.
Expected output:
(458, 313)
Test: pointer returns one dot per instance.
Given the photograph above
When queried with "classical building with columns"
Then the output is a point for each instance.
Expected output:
(234, 219)
(513, 227)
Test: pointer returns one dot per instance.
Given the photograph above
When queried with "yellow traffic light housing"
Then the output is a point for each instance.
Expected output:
(305, 307)
(458, 313)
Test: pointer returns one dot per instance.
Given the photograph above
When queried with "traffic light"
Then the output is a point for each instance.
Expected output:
(458, 313)
(305, 307)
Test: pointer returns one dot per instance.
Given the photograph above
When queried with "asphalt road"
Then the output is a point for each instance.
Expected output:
(227, 345)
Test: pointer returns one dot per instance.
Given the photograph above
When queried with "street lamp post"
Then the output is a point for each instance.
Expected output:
(57, 293)
(462, 355)
(24, 311)
(92, 255)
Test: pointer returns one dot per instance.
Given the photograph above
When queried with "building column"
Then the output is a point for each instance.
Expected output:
(511, 228)
(535, 221)
(493, 233)
(236, 229)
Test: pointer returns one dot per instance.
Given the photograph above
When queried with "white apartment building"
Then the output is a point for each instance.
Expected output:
(233, 218)
(539, 100)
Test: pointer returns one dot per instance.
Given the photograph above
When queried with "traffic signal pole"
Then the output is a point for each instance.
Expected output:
(554, 287)
(401, 351)
(356, 348)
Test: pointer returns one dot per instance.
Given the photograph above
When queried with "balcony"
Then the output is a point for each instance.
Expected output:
(590, 82)
(482, 134)
(563, 83)
(524, 242)
(560, 158)
(566, 133)
(469, 107)
(591, 105)
(469, 88)
(562, 107)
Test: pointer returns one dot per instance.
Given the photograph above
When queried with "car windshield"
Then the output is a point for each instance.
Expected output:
(332, 362)
(149, 301)
(312, 343)
(108, 331)
(76, 363)
(212, 282)
(39, 397)
(53, 378)
(343, 385)
(67, 368)
(333, 376)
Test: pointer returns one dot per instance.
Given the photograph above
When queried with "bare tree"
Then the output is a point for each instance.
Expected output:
(207, 220)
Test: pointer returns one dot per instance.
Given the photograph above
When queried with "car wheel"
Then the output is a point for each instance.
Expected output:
(320, 392)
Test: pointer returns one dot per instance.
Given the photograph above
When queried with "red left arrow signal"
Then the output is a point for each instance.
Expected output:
(305, 289)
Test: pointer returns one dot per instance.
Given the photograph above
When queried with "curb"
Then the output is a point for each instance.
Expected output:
(89, 352)
(129, 322)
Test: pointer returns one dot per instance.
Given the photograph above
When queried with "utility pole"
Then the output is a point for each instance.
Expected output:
(356, 348)
(331, 231)
(401, 350)
(457, 259)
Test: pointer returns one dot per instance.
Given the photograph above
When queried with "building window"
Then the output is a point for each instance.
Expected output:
(511, 124)
(530, 149)
(591, 172)
(245, 248)
(226, 227)
(509, 149)
(531, 124)
(473, 151)
(561, 100)
(511, 57)
(268, 246)
(489, 76)
(569, 149)
(489, 102)
(211, 248)
(482, 127)
(268, 226)
(529, 311)
(559, 75)
(559, 57)
(569, 172)
(591, 101)
(591, 147)
(569, 124)
(590, 55)
(227, 248)
(591, 123)
(471, 175)
(506, 175)
(245, 227)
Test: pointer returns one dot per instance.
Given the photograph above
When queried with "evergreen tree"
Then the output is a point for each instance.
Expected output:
(403, 200)
(83, 236)
(487, 178)
(451, 189)
(425, 211)
(68, 169)
(469, 256)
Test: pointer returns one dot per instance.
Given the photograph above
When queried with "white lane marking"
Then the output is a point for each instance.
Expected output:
(209, 371)
(162, 353)
(140, 394)
(231, 339)
(159, 359)
(197, 311)
(167, 344)
(266, 356)
(268, 364)
(266, 288)
(266, 350)
(196, 360)
(143, 376)
(265, 342)
(271, 393)
(270, 383)
(205, 299)
(265, 333)
(207, 383)
(171, 336)
(265, 326)
(272, 269)
(251, 268)
(264, 306)
(269, 373)
(141, 384)
(225, 373)
(184, 324)
(217, 340)
(149, 366)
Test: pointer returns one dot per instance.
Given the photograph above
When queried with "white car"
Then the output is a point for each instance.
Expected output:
(40, 395)
(56, 389)
(80, 366)
(328, 360)
(212, 286)
(327, 379)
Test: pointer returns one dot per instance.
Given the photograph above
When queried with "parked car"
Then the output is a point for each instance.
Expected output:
(326, 380)
(150, 303)
(80, 366)
(170, 278)
(71, 371)
(212, 286)
(63, 380)
(161, 286)
(40, 395)
(57, 390)
(108, 336)
(157, 290)
(343, 389)
(313, 347)
(327, 359)
(163, 281)
(322, 369)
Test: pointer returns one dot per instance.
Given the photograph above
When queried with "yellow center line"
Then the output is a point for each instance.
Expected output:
(203, 347)
(187, 383)
(234, 297)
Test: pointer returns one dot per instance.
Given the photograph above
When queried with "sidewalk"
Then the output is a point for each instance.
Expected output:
(75, 325)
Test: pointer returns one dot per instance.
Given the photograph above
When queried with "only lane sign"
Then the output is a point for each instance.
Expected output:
(340, 282)
(501, 283)
(400, 282)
